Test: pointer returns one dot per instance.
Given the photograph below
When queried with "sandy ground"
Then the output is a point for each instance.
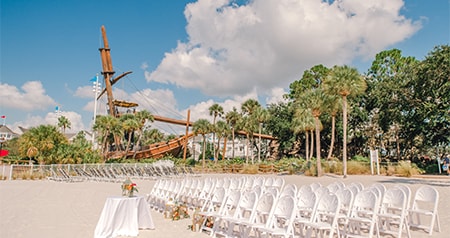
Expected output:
(43, 209)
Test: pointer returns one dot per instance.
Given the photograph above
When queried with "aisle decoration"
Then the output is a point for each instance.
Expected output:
(128, 188)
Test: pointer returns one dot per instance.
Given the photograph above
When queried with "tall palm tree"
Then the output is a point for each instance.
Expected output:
(143, 117)
(106, 126)
(216, 111)
(222, 130)
(249, 106)
(202, 127)
(345, 82)
(130, 124)
(304, 122)
(317, 101)
(261, 115)
(63, 123)
(335, 106)
(232, 118)
(248, 125)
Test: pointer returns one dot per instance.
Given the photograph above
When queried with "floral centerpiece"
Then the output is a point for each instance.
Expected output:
(128, 188)
(179, 212)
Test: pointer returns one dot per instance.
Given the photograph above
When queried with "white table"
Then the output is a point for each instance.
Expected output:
(123, 216)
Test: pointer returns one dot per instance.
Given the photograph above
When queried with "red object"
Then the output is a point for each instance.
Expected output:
(3, 117)
(3, 153)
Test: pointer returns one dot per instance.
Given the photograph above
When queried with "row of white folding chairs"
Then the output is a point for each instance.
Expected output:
(382, 210)
(194, 192)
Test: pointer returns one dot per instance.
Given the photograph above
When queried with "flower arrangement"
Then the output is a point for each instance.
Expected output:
(179, 211)
(128, 188)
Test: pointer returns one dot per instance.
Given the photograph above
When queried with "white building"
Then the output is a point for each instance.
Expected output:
(6, 133)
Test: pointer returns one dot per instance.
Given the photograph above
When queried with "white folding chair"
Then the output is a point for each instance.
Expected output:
(259, 218)
(392, 217)
(325, 217)
(346, 197)
(280, 223)
(227, 208)
(425, 204)
(224, 226)
(363, 217)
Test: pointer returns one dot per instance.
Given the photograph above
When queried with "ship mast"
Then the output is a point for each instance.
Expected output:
(107, 72)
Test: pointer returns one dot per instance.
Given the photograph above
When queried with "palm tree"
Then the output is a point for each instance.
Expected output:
(248, 125)
(232, 118)
(63, 122)
(317, 101)
(130, 124)
(153, 136)
(335, 105)
(106, 126)
(216, 111)
(304, 122)
(249, 106)
(143, 117)
(202, 127)
(345, 82)
(222, 130)
(261, 115)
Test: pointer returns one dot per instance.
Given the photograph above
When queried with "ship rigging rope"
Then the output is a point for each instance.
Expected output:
(150, 104)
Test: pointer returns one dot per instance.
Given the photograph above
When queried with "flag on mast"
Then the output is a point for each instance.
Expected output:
(94, 79)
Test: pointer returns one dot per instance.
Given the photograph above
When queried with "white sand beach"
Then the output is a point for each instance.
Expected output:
(43, 209)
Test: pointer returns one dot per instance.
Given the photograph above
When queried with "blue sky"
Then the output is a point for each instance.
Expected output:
(191, 54)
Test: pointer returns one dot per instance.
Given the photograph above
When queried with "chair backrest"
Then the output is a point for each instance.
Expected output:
(289, 189)
(366, 200)
(263, 208)
(346, 197)
(216, 200)
(394, 198)
(358, 185)
(259, 181)
(321, 190)
(306, 203)
(247, 204)
(285, 209)
(407, 192)
(268, 182)
(425, 194)
(278, 182)
(315, 185)
(230, 203)
(333, 187)
(327, 209)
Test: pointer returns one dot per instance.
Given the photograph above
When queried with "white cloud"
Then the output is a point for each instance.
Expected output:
(276, 96)
(266, 44)
(30, 97)
(51, 118)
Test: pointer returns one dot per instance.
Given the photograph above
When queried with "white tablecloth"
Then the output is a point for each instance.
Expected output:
(123, 216)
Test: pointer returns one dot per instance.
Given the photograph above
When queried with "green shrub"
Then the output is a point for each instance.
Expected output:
(407, 169)
(355, 167)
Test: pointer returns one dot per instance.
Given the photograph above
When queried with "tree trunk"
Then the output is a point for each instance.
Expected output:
(318, 164)
(307, 146)
(311, 149)
(232, 135)
(259, 144)
(344, 126)
(204, 151)
(333, 126)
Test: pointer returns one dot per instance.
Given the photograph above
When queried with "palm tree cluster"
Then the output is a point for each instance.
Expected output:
(118, 133)
(249, 120)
